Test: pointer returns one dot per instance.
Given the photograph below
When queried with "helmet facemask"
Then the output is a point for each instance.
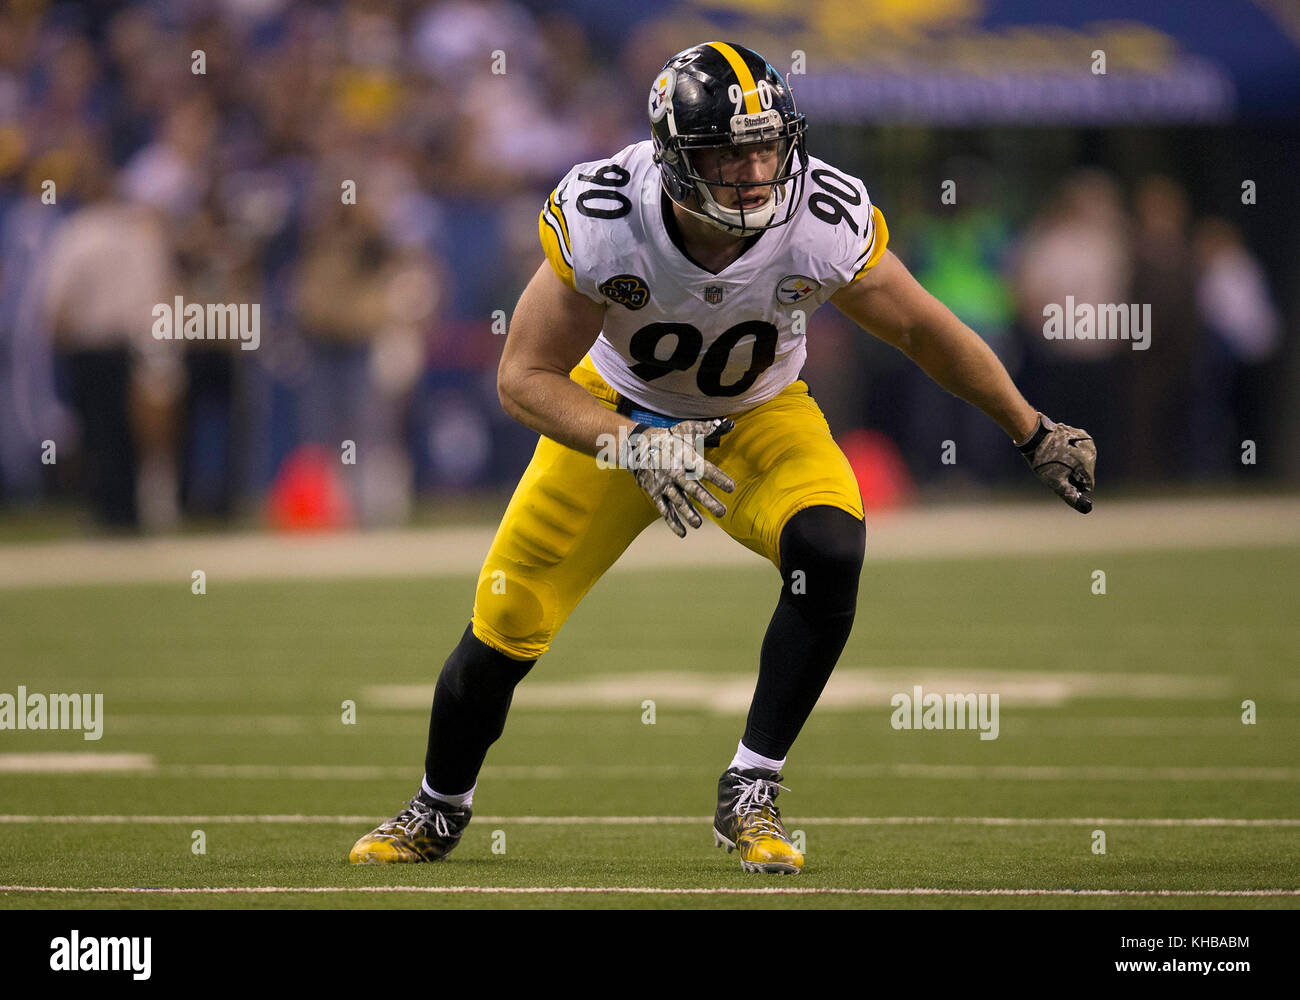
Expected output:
(705, 166)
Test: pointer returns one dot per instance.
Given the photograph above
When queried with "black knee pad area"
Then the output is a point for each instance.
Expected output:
(476, 674)
(821, 559)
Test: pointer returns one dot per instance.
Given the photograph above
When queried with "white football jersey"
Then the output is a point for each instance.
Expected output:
(676, 338)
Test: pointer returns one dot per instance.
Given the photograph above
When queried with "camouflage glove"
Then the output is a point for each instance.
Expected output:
(668, 464)
(1064, 458)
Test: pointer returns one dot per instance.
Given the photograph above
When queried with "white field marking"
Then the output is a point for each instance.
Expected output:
(1131, 725)
(642, 891)
(1085, 772)
(952, 531)
(209, 690)
(262, 725)
(147, 767)
(296, 818)
(75, 763)
(849, 688)
(297, 725)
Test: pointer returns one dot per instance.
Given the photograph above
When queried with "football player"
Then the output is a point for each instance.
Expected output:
(657, 351)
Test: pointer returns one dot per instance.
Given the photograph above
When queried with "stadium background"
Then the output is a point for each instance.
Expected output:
(377, 318)
(377, 327)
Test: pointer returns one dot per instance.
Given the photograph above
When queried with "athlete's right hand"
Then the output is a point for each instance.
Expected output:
(669, 465)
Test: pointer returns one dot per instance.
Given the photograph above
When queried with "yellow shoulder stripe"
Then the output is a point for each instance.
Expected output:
(746, 78)
(564, 223)
(554, 252)
(876, 248)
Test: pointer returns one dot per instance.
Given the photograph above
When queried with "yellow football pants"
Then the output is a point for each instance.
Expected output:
(570, 519)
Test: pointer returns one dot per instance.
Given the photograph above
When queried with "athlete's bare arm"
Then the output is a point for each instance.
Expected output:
(890, 304)
(552, 328)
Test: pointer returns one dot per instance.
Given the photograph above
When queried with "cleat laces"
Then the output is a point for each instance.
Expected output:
(423, 815)
(757, 798)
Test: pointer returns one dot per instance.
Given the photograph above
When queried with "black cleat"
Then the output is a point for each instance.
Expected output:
(748, 819)
(425, 830)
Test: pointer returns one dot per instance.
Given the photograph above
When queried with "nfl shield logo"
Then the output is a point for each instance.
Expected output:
(713, 294)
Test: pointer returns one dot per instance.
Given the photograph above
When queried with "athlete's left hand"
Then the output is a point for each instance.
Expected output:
(668, 466)
(1065, 458)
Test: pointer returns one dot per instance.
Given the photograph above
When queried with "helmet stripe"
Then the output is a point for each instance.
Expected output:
(746, 78)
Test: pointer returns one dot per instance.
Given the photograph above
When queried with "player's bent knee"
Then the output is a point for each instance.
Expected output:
(514, 614)
(821, 559)
(523, 647)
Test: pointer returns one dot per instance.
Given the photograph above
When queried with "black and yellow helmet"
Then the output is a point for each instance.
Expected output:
(719, 95)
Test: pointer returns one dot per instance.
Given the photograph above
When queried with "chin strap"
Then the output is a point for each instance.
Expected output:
(763, 214)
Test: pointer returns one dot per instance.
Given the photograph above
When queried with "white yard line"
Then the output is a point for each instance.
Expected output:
(147, 766)
(970, 529)
(366, 772)
(297, 725)
(75, 763)
(298, 818)
(640, 891)
(849, 688)
(1048, 772)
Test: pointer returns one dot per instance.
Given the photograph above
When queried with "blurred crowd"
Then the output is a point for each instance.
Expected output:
(1176, 404)
(370, 174)
(357, 169)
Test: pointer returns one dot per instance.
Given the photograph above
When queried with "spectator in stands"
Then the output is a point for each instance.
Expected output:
(1159, 383)
(109, 263)
(1078, 246)
(1242, 335)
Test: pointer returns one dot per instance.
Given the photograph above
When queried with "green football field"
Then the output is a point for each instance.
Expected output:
(224, 730)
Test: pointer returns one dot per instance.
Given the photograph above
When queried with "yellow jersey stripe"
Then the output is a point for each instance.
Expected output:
(564, 223)
(746, 78)
(554, 252)
(877, 245)
(871, 237)
(549, 218)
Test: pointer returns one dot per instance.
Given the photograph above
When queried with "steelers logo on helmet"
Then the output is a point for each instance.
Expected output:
(661, 92)
(728, 139)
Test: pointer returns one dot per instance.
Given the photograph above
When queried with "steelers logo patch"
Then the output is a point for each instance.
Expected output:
(627, 290)
(795, 288)
(661, 92)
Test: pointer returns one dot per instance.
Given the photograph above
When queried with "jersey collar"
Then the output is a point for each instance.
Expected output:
(674, 235)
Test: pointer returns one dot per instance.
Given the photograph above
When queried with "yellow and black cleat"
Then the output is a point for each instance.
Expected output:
(749, 821)
(423, 831)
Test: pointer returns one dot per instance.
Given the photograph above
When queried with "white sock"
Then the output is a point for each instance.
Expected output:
(459, 801)
(747, 760)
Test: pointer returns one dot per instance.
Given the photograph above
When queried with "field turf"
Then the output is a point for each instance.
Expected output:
(1116, 709)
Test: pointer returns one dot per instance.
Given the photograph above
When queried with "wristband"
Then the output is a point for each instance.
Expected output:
(1045, 426)
(626, 446)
